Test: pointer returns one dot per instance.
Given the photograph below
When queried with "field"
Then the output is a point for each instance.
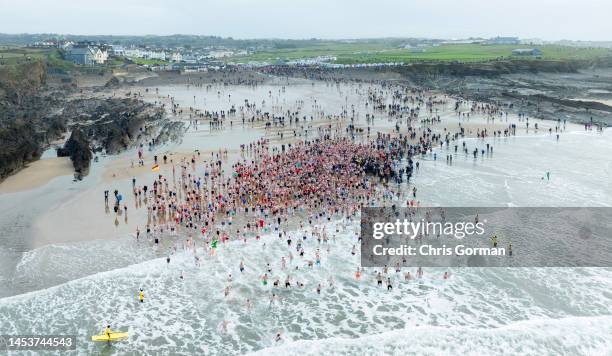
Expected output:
(381, 52)
(12, 55)
(16, 55)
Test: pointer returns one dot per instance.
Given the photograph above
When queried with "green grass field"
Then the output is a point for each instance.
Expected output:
(379, 52)
(16, 55)
(12, 55)
(55, 59)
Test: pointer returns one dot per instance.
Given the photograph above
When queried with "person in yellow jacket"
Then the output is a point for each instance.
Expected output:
(108, 331)
(141, 296)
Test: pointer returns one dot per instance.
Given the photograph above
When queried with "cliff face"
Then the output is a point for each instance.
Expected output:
(21, 110)
(18, 146)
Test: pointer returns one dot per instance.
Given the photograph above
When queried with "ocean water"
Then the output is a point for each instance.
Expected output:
(78, 288)
(580, 166)
(185, 315)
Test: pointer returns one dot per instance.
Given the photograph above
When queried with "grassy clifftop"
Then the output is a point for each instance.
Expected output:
(22, 79)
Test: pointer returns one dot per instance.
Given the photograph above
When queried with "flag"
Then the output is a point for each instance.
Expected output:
(155, 168)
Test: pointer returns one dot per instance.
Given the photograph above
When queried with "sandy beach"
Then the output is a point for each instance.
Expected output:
(36, 174)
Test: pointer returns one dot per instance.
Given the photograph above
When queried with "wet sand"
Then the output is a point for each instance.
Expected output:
(86, 218)
(37, 174)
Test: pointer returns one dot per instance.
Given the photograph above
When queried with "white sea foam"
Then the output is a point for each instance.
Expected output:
(184, 315)
(572, 335)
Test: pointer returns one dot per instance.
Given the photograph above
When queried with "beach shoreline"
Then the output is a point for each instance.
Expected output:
(37, 174)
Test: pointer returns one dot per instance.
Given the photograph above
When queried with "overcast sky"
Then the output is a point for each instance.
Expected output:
(546, 19)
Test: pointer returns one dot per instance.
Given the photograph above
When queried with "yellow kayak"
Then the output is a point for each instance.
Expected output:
(115, 336)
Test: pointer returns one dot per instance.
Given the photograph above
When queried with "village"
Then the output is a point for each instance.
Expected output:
(92, 53)
(188, 59)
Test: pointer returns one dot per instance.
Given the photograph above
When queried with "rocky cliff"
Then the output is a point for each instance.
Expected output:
(18, 146)
(24, 125)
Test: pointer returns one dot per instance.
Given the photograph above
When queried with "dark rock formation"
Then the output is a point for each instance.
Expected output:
(18, 146)
(170, 131)
(33, 114)
(24, 126)
(113, 125)
(77, 148)
(113, 82)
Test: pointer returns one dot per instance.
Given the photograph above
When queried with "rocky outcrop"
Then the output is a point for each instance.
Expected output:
(33, 114)
(19, 144)
(77, 148)
(113, 82)
(420, 72)
(429, 72)
(113, 125)
(578, 104)
(170, 131)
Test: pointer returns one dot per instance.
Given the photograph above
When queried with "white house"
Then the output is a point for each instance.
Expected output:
(118, 50)
(176, 57)
(100, 55)
(65, 45)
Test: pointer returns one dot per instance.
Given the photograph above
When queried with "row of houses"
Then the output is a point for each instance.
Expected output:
(313, 60)
(89, 54)
(136, 52)
(186, 68)
(85, 53)
(178, 55)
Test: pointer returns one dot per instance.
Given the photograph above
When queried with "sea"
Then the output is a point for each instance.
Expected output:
(78, 288)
